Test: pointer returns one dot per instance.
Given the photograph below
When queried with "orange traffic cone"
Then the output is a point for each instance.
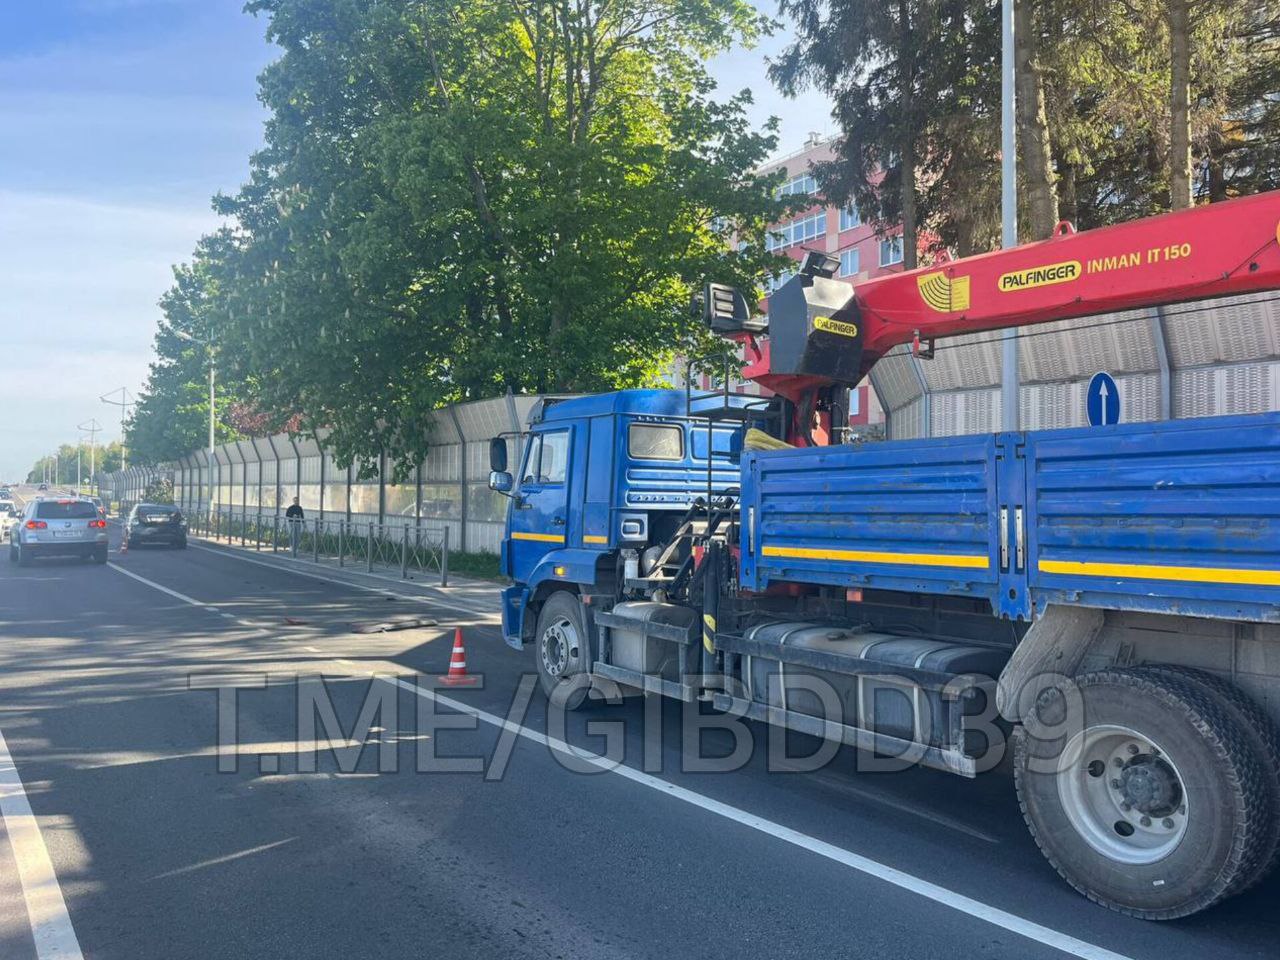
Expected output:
(458, 676)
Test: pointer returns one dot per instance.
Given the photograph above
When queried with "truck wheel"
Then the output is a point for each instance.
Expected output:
(562, 646)
(1152, 802)
(1261, 734)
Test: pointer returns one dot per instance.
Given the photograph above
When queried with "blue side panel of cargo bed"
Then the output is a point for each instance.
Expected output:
(1175, 517)
(915, 515)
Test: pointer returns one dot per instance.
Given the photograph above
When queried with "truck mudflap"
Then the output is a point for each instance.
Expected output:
(515, 600)
(920, 699)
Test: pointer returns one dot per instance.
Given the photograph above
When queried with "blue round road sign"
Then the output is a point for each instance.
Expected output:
(1102, 402)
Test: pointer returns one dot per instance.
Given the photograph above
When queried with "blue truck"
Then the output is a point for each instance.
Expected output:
(1097, 609)
(927, 582)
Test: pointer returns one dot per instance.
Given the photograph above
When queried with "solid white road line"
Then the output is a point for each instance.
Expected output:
(446, 604)
(51, 928)
(898, 878)
(151, 583)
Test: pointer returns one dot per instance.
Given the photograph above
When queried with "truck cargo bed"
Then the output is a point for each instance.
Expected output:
(1178, 516)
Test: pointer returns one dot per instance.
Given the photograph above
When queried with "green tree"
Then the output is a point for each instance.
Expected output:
(915, 85)
(172, 415)
(456, 199)
(60, 468)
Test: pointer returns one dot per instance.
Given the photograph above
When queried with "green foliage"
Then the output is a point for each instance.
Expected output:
(159, 490)
(172, 415)
(459, 199)
(60, 468)
(916, 82)
(481, 565)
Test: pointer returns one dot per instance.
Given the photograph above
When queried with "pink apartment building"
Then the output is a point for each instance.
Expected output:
(837, 231)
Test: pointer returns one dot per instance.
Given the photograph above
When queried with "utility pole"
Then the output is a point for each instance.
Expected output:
(208, 345)
(124, 403)
(1008, 207)
(91, 427)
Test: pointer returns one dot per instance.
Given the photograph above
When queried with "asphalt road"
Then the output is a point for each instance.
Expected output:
(154, 851)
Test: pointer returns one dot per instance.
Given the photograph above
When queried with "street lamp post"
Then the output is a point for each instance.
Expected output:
(124, 403)
(1008, 207)
(91, 427)
(183, 335)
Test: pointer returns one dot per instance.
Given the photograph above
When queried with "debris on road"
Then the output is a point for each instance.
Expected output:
(385, 626)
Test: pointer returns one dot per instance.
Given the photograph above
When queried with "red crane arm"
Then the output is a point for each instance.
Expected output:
(1208, 251)
(824, 333)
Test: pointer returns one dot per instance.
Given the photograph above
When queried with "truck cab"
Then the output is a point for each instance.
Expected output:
(598, 482)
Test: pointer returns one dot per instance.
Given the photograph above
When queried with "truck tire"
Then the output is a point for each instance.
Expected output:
(1259, 729)
(561, 648)
(1154, 803)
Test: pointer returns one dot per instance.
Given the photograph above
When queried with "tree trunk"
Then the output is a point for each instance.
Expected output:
(1033, 128)
(1068, 200)
(910, 229)
(1179, 105)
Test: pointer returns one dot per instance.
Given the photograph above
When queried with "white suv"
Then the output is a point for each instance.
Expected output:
(69, 527)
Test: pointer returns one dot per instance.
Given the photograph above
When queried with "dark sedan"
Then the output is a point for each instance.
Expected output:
(155, 523)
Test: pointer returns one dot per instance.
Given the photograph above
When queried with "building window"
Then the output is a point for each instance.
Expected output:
(798, 186)
(798, 231)
(849, 218)
(891, 251)
(849, 263)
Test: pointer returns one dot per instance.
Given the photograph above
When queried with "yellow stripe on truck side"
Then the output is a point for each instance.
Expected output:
(968, 562)
(540, 537)
(1145, 571)
(594, 538)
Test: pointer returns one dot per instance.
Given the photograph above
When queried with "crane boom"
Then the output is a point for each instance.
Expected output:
(824, 335)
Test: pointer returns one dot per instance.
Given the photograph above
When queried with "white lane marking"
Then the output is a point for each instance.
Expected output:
(163, 589)
(898, 878)
(446, 604)
(311, 649)
(215, 861)
(55, 938)
(931, 891)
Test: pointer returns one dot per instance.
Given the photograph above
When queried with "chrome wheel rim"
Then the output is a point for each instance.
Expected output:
(1123, 794)
(559, 643)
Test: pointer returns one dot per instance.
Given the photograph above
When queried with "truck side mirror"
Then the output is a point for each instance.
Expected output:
(501, 481)
(498, 455)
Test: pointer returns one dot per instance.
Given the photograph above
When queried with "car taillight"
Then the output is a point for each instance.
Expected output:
(98, 523)
(36, 525)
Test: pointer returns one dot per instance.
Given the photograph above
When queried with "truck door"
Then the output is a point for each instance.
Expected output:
(540, 512)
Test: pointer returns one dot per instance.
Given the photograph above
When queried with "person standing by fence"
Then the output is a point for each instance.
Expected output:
(295, 516)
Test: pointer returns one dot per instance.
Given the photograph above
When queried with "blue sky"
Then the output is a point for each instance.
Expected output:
(119, 119)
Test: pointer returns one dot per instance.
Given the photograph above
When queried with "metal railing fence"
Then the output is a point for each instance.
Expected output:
(448, 489)
(341, 542)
